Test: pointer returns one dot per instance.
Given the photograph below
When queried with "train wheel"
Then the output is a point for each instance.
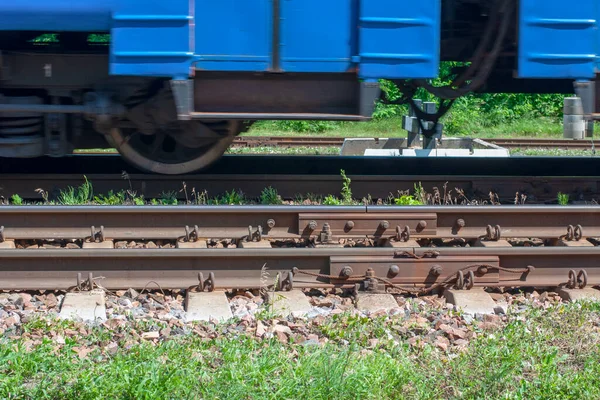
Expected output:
(179, 148)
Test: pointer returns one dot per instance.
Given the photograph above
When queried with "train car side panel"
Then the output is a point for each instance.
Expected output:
(234, 35)
(557, 39)
(152, 38)
(597, 52)
(316, 35)
(399, 39)
(56, 15)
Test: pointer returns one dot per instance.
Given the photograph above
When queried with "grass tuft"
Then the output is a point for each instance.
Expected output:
(270, 196)
(563, 199)
(232, 198)
(16, 200)
(80, 195)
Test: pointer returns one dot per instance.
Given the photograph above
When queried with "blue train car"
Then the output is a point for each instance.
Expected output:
(170, 83)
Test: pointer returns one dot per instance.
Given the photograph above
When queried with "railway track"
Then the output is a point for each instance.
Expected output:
(413, 250)
(310, 141)
(377, 177)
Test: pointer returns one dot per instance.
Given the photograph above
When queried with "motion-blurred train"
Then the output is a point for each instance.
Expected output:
(170, 83)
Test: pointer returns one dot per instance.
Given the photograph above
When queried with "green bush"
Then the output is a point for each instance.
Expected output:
(476, 111)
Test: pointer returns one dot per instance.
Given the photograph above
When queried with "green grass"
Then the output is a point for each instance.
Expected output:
(392, 127)
(231, 198)
(554, 152)
(299, 150)
(562, 198)
(389, 127)
(79, 195)
(538, 354)
(16, 200)
(538, 128)
(270, 196)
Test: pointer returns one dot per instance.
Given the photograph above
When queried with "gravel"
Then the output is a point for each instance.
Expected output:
(421, 320)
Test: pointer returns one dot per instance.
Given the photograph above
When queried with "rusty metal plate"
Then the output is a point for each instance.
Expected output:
(552, 264)
(348, 224)
(512, 221)
(420, 272)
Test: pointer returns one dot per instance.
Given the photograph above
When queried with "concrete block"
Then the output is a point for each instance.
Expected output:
(107, 244)
(286, 303)
(419, 152)
(492, 243)
(474, 301)
(579, 294)
(453, 152)
(204, 306)
(371, 302)
(200, 244)
(7, 244)
(408, 243)
(328, 245)
(357, 146)
(263, 244)
(88, 306)
(476, 144)
(464, 146)
(490, 153)
(573, 243)
(382, 152)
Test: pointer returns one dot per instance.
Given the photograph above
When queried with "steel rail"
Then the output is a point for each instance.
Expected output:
(289, 222)
(242, 268)
(571, 144)
(310, 141)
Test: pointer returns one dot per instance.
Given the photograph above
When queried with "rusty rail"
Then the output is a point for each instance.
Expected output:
(168, 222)
(241, 268)
(395, 258)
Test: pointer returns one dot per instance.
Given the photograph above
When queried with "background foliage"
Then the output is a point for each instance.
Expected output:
(472, 113)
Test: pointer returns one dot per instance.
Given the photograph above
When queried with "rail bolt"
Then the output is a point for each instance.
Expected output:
(270, 223)
(349, 224)
(436, 270)
(384, 224)
(394, 270)
(346, 271)
(312, 225)
(421, 225)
